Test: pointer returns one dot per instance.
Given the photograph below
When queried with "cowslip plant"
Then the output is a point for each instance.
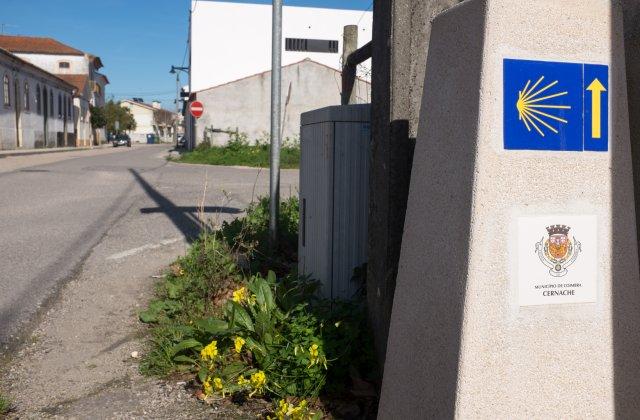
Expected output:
(291, 411)
(260, 349)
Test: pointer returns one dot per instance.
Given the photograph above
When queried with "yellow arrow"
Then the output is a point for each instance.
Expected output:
(596, 89)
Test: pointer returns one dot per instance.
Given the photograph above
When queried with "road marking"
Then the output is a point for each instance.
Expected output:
(134, 251)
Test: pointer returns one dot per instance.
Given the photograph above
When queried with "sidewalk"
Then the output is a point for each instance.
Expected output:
(11, 160)
(24, 152)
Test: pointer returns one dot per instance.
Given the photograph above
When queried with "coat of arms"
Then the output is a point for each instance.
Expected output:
(558, 251)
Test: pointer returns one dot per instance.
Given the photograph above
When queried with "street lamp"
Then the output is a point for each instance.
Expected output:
(176, 70)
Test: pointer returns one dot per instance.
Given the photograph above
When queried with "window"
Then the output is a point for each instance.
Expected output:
(60, 109)
(311, 45)
(69, 100)
(6, 91)
(51, 103)
(27, 102)
(64, 64)
(38, 99)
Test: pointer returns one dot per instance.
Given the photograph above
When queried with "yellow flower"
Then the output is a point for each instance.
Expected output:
(313, 354)
(258, 381)
(207, 388)
(239, 342)
(240, 295)
(283, 409)
(210, 351)
(251, 299)
(287, 411)
(242, 381)
(217, 384)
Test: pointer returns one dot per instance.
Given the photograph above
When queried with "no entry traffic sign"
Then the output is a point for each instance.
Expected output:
(197, 109)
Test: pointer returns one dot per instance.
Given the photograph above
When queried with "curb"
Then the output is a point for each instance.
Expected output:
(10, 153)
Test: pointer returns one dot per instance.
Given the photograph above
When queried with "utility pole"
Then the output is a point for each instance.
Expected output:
(175, 120)
(349, 45)
(276, 88)
(176, 70)
(6, 25)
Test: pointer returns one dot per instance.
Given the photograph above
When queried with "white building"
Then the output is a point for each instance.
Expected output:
(75, 66)
(231, 42)
(245, 104)
(35, 106)
(150, 119)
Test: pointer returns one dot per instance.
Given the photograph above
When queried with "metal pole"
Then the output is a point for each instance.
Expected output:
(276, 87)
(175, 122)
(177, 92)
(192, 121)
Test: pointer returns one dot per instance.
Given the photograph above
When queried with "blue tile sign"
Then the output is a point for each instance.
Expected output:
(556, 106)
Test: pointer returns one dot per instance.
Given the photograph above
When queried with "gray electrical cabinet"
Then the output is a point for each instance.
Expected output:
(334, 196)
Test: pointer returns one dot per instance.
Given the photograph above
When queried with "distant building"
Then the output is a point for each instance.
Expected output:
(35, 106)
(150, 119)
(230, 41)
(76, 67)
(245, 104)
(231, 58)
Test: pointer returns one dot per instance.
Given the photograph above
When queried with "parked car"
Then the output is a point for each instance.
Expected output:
(122, 140)
(182, 141)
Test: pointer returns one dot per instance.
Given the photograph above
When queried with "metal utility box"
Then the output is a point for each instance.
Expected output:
(334, 196)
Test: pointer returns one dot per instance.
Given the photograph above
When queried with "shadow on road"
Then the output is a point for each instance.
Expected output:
(193, 209)
(182, 217)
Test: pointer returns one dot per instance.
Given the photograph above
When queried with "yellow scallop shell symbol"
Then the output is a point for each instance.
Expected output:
(530, 103)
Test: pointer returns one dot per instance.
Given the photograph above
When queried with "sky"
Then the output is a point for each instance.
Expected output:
(137, 40)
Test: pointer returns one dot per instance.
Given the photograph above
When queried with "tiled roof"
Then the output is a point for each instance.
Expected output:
(159, 111)
(140, 104)
(36, 45)
(79, 81)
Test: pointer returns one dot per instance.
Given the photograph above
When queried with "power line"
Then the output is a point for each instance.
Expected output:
(364, 13)
(132, 93)
(186, 48)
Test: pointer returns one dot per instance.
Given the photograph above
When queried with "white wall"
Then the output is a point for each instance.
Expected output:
(245, 104)
(144, 121)
(230, 41)
(31, 123)
(78, 64)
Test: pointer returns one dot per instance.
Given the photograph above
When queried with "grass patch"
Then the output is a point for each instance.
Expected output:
(5, 404)
(238, 152)
(240, 320)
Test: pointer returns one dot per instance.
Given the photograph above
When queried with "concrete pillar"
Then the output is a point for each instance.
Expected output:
(499, 216)
(632, 54)
(349, 45)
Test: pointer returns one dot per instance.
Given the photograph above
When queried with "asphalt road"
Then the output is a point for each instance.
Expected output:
(56, 208)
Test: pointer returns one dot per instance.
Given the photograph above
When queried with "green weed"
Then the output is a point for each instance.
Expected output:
(238, 152)
(5, 404)
(237, 315)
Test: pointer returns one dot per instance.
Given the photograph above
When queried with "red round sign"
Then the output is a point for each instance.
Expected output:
(197, 109)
